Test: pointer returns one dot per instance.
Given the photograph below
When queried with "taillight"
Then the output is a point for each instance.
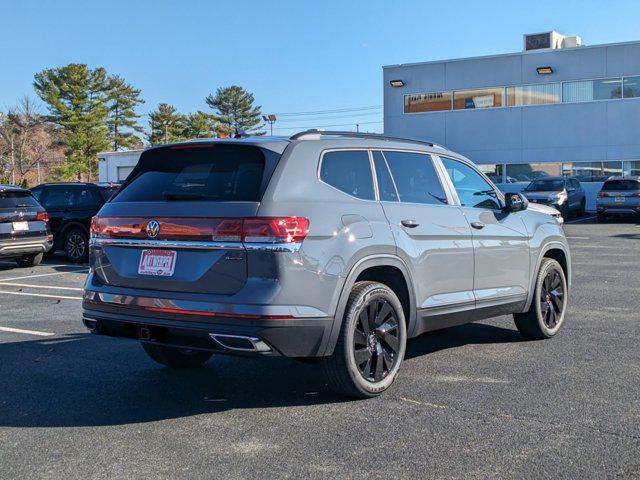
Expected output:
(275, 230)
(635, 194)
(43, 217)
(603, 195)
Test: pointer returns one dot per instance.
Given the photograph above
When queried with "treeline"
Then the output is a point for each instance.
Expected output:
(89, 111)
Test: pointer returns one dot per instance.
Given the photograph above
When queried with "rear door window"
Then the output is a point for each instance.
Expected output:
(86, 198)
(386, 188)
(17, 200)
(415, 177)
(620, 185)
(200, 172)
(349, 171)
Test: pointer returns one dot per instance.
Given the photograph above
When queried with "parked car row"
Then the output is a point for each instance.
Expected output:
(618, 196)
(49, 217)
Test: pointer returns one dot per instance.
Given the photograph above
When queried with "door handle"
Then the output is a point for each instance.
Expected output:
(477, 225)
(409, 223)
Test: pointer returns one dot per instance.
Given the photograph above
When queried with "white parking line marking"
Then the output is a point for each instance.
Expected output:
(581, 220)
(84, 270)
(44, 295)
(26, 285)
(28, 332)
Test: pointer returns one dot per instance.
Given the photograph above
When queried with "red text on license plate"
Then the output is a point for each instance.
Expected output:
(157, 262)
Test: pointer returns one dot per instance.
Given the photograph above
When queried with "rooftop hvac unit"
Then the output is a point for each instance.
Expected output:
(549, 40)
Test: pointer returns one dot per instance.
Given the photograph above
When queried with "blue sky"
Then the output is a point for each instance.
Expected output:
(295, 56)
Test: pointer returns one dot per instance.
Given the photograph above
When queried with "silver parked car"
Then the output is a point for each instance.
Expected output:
(562, 193)
(330, 247)
(618, 196)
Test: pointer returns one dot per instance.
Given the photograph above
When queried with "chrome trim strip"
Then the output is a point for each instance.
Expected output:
(273, 247)
(131, 242)
(178, 244)
(257, 344)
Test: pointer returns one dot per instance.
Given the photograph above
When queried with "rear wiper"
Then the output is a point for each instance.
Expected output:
(188, 196)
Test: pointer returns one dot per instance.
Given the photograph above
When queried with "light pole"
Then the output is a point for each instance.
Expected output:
(270, 119)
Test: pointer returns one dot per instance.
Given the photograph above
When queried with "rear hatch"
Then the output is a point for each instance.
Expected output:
(176, 223)
(623, 192)
(21, 216)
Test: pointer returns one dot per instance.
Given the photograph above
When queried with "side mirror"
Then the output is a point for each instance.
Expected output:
(515, 202)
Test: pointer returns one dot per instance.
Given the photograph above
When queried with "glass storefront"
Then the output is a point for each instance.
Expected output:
(589, 90)
(525, 172)
(592, 171)
(631, 87)
(632, 168)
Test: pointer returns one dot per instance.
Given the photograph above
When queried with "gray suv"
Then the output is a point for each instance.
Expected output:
(562, 193)
(327, 247)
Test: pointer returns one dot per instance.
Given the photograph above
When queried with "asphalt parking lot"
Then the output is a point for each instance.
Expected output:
(475, 401)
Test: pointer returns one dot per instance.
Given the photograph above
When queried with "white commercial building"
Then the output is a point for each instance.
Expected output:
(115, 167)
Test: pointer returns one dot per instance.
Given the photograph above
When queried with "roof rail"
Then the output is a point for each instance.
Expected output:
(376, 136)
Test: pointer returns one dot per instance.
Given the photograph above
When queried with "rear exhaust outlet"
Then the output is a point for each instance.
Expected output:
(240, 343)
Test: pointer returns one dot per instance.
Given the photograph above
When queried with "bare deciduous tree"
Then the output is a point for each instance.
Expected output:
(27, 141)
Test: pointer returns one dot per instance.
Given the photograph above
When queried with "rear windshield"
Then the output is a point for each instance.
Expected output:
(545, 186)
(17, 200)
(212, 173)
(620, 185)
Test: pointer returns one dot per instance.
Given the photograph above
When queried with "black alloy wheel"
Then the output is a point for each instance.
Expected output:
(76, 245)
(552, 299)
(375, 341)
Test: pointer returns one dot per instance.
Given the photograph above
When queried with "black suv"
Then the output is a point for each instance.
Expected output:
(24, 227)
(70, 207)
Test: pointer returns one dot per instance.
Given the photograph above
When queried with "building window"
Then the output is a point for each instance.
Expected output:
(481, 98)
(525, 172)
(427, 102)
(589, 90)
(591, 171)
(493, 171)
(534, 94)
(631, 87)
(631, 168)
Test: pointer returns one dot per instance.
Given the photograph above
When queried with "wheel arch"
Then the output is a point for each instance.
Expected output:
(386, 269)
(557, 251)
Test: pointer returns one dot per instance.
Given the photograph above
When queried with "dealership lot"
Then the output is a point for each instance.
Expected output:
(471, 402)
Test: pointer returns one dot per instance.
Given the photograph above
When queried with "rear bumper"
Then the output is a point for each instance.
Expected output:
(299, 337)
(618, 209)
(25, 246)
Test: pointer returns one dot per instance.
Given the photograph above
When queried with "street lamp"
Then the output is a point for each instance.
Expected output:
(270, 119)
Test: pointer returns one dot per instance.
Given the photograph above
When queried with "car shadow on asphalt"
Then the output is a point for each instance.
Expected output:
(83, 380)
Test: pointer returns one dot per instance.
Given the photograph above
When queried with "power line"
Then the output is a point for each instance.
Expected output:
(310, 119)
(322, 112)
(324, 126)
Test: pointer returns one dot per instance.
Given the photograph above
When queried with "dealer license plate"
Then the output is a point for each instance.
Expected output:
(20, 226)
(161, 263)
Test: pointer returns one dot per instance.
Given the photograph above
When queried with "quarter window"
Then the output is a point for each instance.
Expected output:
(415, 177)
(386, 188)
(349, 171)
(473, 190)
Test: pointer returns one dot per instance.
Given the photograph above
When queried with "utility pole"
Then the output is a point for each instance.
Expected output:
(357, 127)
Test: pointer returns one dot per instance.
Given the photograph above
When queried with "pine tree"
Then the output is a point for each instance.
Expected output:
(167, 125)
(122, 119)
(199, 125)
(76, 97)
(235, 109)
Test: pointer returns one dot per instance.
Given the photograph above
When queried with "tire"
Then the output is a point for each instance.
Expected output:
(547, 311)
(601, 217)
(371, 345)
(76, 245)
(176, 357)
(564, 211)
(30, 260)
(583, 208)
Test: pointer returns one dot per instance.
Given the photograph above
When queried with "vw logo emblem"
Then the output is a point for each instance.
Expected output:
(153, 229)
